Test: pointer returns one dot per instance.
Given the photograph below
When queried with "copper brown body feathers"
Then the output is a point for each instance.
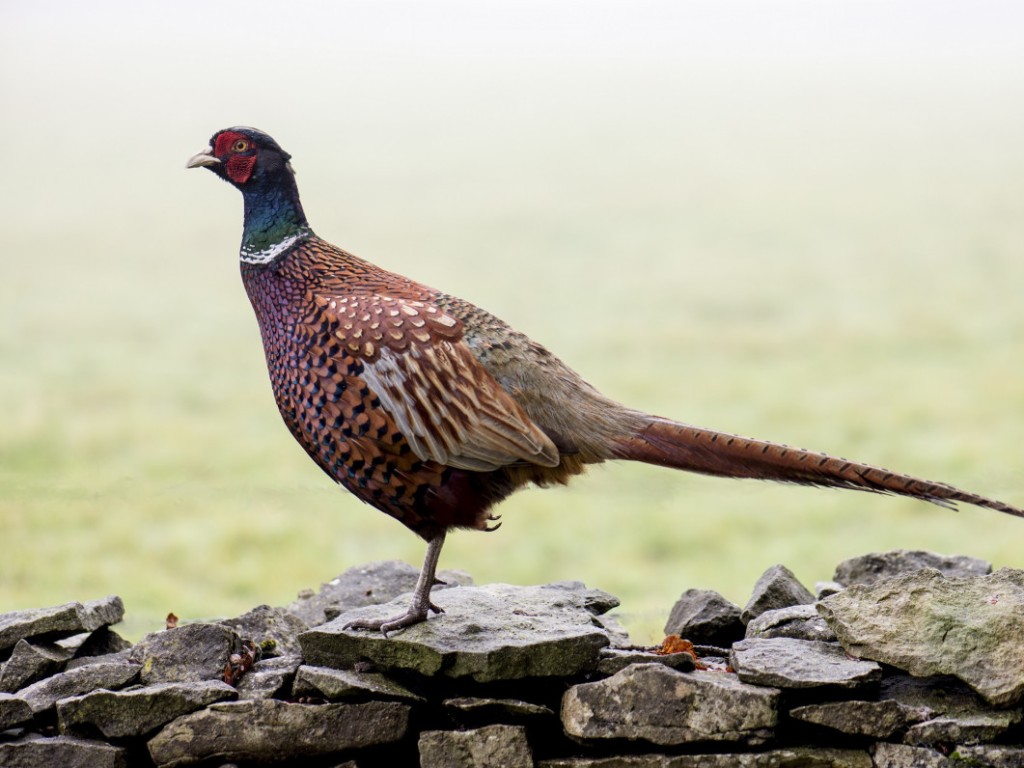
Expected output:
(433, 410)
(419, 403)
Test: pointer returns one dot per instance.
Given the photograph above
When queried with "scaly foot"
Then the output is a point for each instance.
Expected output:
(415, 615)
(421, 605)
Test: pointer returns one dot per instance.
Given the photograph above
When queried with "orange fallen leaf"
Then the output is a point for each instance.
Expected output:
(676, 644)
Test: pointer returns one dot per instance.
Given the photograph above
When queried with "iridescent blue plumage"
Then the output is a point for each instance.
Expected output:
(273, 213)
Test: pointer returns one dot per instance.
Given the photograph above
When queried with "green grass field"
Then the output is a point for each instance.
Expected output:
(826, 250)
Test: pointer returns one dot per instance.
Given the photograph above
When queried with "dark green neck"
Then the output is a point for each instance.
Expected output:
(273, 214)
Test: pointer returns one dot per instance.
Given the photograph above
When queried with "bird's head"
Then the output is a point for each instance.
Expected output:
(243, 156)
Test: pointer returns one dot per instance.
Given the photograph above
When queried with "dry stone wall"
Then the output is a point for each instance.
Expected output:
(906, 659)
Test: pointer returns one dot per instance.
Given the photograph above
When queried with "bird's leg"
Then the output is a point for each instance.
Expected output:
(421, 606)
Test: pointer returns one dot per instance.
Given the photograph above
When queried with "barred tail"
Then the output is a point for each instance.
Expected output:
(681, 446)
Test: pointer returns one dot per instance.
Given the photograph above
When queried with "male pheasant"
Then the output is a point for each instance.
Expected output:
(431, 409)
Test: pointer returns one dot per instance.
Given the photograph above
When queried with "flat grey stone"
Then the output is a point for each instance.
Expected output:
(959, 714)
(630, 761)
(596, 601)
(369, 584)
(930, 624)
(138, 711)
(70, 643)
(704, 616)
(499, 709)
(612, 660)
(101, 642)
(185, 653)
(903, 756)
(275, 630)
(347, 685)
(797, 757)
(879, 719)
(269, 678)
(30, 662)
(990, 756)
(60, 752)
(826, 588)
(787, 663)
(13, 711)
(777, 588)
(653, 703)
(85, 661)
(963, 729)
(487, 747)
(943, 695)
(492, 632)
(617, 634)
(878, 566)
(46, 693)
(61, 619)
(266, 730)
(797, 621)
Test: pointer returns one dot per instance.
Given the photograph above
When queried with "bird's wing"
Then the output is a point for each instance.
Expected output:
(449, 408)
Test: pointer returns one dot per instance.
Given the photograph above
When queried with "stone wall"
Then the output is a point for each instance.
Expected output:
(907, 659)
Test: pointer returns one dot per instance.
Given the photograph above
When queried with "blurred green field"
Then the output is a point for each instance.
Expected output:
(798, 239)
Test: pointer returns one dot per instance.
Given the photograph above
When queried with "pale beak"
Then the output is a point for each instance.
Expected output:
(202, 159)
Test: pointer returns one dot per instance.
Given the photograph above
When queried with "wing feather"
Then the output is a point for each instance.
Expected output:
(444, 402)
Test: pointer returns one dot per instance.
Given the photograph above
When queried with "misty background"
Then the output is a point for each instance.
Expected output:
(795, 220)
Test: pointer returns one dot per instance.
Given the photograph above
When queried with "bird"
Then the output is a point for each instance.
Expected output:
(433, 410)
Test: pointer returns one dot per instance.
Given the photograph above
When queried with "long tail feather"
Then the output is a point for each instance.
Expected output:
(681, 446)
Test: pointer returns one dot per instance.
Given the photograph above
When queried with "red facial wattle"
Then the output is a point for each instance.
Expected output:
(237, 165)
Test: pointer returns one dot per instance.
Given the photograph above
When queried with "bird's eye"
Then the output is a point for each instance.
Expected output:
(240, 146)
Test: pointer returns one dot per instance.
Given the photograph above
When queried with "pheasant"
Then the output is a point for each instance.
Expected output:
(433, 410)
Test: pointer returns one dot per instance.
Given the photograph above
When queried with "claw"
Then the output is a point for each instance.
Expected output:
(421, 605)
(410, 618)
(415, 615)
(492, 528)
